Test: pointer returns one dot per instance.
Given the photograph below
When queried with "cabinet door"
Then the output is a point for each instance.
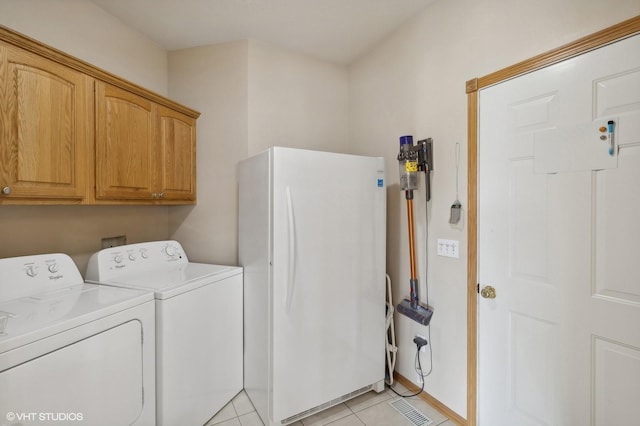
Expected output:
(43, 128)
(177, 174)
(125, 145)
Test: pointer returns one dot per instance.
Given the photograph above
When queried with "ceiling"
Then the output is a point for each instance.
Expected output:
(334, 30)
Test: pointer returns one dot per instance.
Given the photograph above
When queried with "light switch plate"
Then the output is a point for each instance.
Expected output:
(449, 248)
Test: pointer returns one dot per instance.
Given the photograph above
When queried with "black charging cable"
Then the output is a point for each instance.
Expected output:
(420, 342)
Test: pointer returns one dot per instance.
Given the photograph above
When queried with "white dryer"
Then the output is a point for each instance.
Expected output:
(72, 352)
(199, 340)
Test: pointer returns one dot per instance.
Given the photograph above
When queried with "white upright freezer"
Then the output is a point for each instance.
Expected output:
(312, 241)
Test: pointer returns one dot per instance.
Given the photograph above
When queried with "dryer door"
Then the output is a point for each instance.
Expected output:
(96, 380)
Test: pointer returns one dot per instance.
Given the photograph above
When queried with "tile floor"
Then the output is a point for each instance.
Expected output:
(370, 409)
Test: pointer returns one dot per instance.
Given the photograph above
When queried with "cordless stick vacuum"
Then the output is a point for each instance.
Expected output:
(413, 159)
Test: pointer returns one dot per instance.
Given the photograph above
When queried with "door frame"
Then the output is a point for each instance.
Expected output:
(596, 40)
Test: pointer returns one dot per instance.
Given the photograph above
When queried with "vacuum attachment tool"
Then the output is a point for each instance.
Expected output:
(456, 209)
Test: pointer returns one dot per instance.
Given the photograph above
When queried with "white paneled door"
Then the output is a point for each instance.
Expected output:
(559, 242)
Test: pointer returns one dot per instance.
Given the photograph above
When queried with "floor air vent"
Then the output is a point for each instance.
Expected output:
(413, 415)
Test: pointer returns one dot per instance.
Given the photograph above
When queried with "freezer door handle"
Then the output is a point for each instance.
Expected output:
(291, 267)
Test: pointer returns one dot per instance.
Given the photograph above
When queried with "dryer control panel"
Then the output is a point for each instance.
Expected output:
(113, 262)
(27, 275)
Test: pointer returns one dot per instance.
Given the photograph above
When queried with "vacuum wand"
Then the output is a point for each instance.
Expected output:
(413, 281)
(412, 159)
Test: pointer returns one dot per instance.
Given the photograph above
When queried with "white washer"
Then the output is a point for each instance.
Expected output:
(198, 325)
(72, 352)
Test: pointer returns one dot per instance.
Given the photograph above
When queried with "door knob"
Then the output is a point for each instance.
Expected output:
(488, 292)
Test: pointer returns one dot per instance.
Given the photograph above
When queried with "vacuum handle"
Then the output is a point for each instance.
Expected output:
(291, 266)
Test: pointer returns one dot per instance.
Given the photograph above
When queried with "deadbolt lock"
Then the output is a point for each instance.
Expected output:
(488, 292)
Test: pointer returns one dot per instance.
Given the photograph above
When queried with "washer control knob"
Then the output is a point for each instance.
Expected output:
(118, 258)
(32, 270)
(132, 256)
(53, 268)
(170, 251)
(144, 254)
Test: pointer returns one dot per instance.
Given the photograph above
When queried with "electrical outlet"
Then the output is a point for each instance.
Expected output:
(108, 242)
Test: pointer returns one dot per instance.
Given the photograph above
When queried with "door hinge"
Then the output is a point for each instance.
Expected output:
(478, 288)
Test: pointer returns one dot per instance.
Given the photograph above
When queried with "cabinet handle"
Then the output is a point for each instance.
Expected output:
(154, 195)
(161, 195)
(6, 190)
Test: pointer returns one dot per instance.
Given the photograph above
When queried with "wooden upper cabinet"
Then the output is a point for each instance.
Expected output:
(126, 145)
(177, 174)
(71, 133)
(44, 125)
(144, 151)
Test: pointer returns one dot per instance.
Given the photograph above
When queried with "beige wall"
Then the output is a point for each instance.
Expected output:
(76, 230)
(213, 80)
(414, 83)
(252, 95)
(85, 31)
(296, 101)
(82, 29)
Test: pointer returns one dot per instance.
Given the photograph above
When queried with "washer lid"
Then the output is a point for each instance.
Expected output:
(166, 283)
(41, 315)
